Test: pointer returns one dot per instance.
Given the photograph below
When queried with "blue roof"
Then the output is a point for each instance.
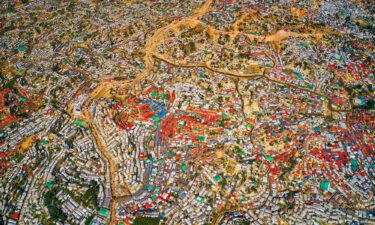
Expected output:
(162, 113)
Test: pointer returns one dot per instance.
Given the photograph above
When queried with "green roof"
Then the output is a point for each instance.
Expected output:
(354, 165)
(201, 138)
(316, 128)
(22, 48)
(324, 185)
(342, 12)
(181, 124)
(155, 117)
(201, 75)
(217, 178)
(49, 184)
(80, 123)
(270, 158)
(199, 199)
(104, 212)
(299, 75)
(183, 167)
(154, 94)
(22, 99)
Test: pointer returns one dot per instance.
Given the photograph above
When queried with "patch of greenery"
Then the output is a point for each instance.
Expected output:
(69, 142)
(140, 220)
(11, 83)
(369, 105)
(223, 182)
(223, 121)
(54, 205)
(88, 220)
(80, 61)
(17, 156)
(243, 222)
(90, 197)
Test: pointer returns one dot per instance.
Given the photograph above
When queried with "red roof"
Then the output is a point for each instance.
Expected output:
(15, 216)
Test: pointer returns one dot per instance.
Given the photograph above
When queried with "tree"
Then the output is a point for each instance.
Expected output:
(140, 220)
(53, 204)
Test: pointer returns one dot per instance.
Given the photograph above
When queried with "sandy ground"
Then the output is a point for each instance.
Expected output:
(26, 144)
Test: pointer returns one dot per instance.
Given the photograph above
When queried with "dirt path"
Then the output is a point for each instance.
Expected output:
(234, 74)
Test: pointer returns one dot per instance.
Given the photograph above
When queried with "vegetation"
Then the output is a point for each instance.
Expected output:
(223, 182)
(369, 105)
(53, 205)
(243, 222)
(90, 197)
(11, 83)
(140, 220)
(69, 142)
(89, 219)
